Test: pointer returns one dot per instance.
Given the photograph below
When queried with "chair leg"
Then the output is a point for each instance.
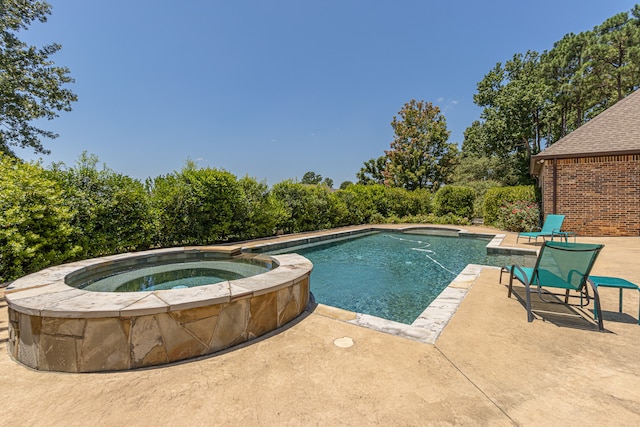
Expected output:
(620, 301)
(528, 292)
(639, 308)
(596, 303)
(510, 283)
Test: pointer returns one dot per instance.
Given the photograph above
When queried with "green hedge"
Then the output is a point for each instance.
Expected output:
(35, 227)
(307, 207)
(61, 214)
(454, 200)
(496, 197)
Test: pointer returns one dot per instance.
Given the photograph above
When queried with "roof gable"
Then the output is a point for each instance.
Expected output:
(615, 130)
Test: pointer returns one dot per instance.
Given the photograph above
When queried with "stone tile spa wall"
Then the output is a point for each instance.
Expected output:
(55, 327)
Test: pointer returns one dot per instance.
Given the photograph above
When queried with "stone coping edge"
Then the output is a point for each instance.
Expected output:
(493, 247)
(45, 293)
(431, 322)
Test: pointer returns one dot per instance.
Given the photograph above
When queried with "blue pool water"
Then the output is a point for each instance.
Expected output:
(179, 274)
(392, 275)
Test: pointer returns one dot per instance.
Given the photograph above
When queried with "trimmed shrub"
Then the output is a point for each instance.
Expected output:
(435, 219)
(494, 198)
(112, 212)
(518, 216)
(362, 202)
(401, 202)
(195, 206)
(454, 200)
(34, 224)
(480, 187)
(259, 212)
(308, 207)
(378, 204)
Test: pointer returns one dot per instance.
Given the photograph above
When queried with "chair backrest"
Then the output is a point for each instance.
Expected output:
(552, 223)
(570, 262)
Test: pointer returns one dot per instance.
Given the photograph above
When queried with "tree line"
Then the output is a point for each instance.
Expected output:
(534, 99)
(529, 102)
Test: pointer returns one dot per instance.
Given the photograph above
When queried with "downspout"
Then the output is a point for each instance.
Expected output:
(555, 185)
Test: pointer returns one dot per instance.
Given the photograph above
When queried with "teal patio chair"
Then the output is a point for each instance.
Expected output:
(552, 225)
(560, 265)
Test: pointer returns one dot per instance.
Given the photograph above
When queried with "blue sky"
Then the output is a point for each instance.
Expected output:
(272, 89)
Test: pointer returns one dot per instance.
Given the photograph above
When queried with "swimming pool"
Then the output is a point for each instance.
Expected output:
(393, 275)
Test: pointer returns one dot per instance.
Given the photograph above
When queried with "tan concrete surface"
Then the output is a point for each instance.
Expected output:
(489, 367)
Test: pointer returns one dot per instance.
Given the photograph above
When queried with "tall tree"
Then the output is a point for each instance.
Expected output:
(327, 182)
(566, 68)
(373, 171)
(311, 178)
(420, 156)
(514, 98)
(616, 58)
(534, 100)
(31, 86)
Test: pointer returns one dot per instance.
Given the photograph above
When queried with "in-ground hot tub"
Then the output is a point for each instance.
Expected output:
(57, 327)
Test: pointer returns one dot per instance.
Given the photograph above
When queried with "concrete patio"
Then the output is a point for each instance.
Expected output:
(489, 367)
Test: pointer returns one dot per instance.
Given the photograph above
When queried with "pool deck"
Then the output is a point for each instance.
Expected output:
(489, 366)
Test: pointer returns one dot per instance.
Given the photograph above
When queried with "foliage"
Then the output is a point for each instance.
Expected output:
(518, 216)
(615, 58)
(432, 218)
(345, 184)
(31, 86)
(533, 99)
(362, 203)
(400, 202)
(67, 213)
(260, 213)
(500, 196)
(373, 171)
(34, 225)
(311, 178)
(480, 188)
(474, 167)
(454, 200)
(481, 172)
(308, 207)
(420, 156)
(112, 213)
(195, 206)
(374, 203)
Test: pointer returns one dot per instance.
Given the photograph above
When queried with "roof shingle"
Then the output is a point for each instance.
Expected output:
(615, 130)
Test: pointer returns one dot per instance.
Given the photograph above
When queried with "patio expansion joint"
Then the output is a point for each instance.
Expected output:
(475, 385)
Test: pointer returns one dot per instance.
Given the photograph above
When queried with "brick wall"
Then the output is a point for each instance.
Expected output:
(600, 196)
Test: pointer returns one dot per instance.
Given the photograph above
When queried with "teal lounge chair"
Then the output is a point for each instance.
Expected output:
(560, 265)
(553, 224)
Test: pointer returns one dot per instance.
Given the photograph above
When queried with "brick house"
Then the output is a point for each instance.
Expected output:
(592, 175)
